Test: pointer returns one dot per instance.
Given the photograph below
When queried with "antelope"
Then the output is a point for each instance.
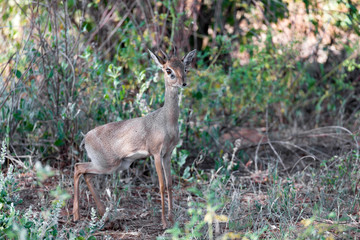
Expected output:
(114, 146)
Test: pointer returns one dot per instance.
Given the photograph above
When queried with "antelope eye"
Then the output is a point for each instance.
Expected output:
(168, 71)
(185, 70)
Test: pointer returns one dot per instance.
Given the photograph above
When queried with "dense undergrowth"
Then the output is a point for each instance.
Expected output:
(69, 66)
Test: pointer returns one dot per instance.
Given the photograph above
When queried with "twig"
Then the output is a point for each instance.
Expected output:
(308, 156)
(118, 25)
(269, 142)
(296, 146)
(18, 162)
(256, 154)
(106, 16)
(79, 30)
(73, 71)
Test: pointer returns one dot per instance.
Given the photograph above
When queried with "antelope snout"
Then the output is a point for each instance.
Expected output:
(184, 84)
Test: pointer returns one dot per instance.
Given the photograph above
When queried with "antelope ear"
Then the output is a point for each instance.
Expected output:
(187, 60)
(158, 60)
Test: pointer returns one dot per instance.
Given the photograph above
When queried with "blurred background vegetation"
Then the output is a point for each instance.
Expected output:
(265, 69)
(67, 66)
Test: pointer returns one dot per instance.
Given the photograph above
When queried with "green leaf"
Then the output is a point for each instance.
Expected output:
(195, 191)
(186, 173)
(18, 115)
(51, 74)
(198, 95)
(70, 4)
(59, 142)
(183, 156)
(28, 224)
(18, 74)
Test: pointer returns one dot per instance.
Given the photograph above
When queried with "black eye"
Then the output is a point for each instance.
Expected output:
(172, 76)
(185, 70)
(168, 71)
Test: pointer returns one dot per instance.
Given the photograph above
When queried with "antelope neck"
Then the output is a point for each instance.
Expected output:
(171, 105)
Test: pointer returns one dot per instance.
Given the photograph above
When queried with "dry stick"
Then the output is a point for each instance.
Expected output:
(335, 69)
(67, 53)
(218, 14)
(262, 11)
(269, 142)
(66, 26)
(57, 58)
(216, 57)
(298, 147)
(214, 33)
(163, 29)
(141, 5)
(239, 161)
(6, 64)
(118, 25)
(115, 42)
(256, 153)
(104, 19)
(355, 111)
(354, 55)
(173, 21)
(42, 41)
(24, 12)
(308, 156)
(340, 128)
(336, 137)
(54, 31)
(155, 23)
(72, 68)
(195, 26)
(45, 47)
(314, 149)
(136, 24)
(18, 162)
(79, 30)
(22, 76)
(43, 50)
(343, 107)
(21, 79)
(7, 80)
(17, 57)
(322, 135)
(327, 127)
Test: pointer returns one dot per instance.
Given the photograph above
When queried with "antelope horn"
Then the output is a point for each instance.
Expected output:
(174, 50)
(164, 54)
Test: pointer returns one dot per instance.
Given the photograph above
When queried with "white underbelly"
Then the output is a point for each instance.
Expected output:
(129, 159)
(137, 155)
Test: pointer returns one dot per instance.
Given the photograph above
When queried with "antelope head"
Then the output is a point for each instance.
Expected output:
(174, 68)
